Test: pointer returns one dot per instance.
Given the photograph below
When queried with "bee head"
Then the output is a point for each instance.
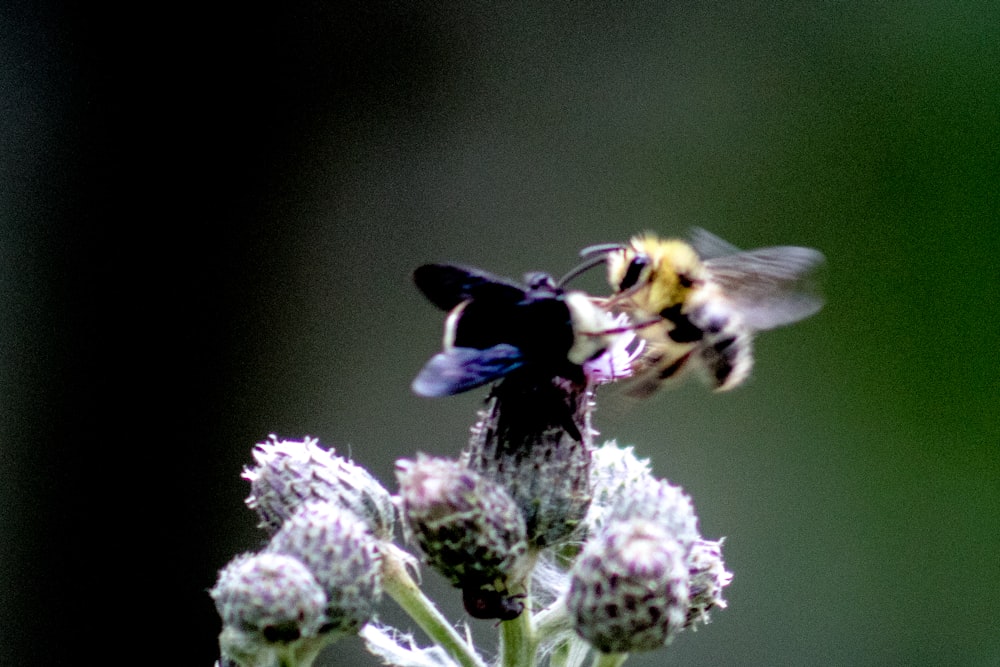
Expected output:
(658, 273)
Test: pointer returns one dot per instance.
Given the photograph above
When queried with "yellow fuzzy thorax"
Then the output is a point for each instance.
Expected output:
(660, 284)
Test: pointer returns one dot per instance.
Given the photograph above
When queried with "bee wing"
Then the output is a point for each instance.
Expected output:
(709, 246)
(769, 287)
(460, 369)
(447, 285)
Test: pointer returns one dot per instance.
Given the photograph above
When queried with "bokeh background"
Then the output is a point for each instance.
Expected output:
(209, 216)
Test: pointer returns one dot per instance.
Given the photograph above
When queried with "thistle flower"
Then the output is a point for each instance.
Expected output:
(342, 555)
(469, 530)
(630, 494)
(629, 588)
(615, 363)
(534, 438)
(270, 605)
(644, 573)
(615, 474)
(289, 473)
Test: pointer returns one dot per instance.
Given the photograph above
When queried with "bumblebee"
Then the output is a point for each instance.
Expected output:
(699, 304)
(496, 327)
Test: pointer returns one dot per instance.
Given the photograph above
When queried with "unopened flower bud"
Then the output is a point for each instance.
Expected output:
(268, 603)
(342, 555)
(469, 529)
(644, 573)
(289, 473)
(629, 588)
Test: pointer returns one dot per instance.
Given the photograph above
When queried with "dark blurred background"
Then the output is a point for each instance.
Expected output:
(208, 218)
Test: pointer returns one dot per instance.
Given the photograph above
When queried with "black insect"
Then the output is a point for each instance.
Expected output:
(496, 327)
(483, 603)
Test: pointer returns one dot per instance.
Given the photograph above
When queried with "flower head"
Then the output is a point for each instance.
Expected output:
(629, 588)
(534, 438)
(289, 473)
(615, 363)
(342, 555)
(644, 573)
(469, 529)
(616, 473)
(269, 604)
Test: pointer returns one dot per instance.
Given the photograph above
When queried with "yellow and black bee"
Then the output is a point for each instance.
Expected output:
(698, 304)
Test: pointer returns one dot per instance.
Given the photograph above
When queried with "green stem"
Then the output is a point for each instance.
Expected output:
(517, 642)
(304, 652)
(399, 585)
(553, 620)
(560, 656)
(517, 638)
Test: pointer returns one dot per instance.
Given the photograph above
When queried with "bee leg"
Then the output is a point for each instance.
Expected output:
(622, 329)
(671, 369)
(654, 374)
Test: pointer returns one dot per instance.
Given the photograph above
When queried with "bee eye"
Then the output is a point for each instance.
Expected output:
(635, 268)
(684, 280)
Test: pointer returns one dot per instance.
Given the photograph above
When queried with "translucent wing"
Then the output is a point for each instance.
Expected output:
(447, 285)
(460, 369)
(769, 287)
(709, 246)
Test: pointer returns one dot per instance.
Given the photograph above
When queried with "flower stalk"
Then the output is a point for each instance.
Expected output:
(518, 642)
(401, 587)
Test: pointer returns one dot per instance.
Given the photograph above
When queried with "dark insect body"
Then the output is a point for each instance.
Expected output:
(496, 327)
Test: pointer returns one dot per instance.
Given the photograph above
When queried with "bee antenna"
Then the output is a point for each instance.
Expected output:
(581, 268)
(600, 249)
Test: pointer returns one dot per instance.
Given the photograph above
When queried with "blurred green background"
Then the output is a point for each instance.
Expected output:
(243, 195)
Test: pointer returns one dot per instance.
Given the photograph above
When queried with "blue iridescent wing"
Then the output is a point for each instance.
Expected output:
(460, 369)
